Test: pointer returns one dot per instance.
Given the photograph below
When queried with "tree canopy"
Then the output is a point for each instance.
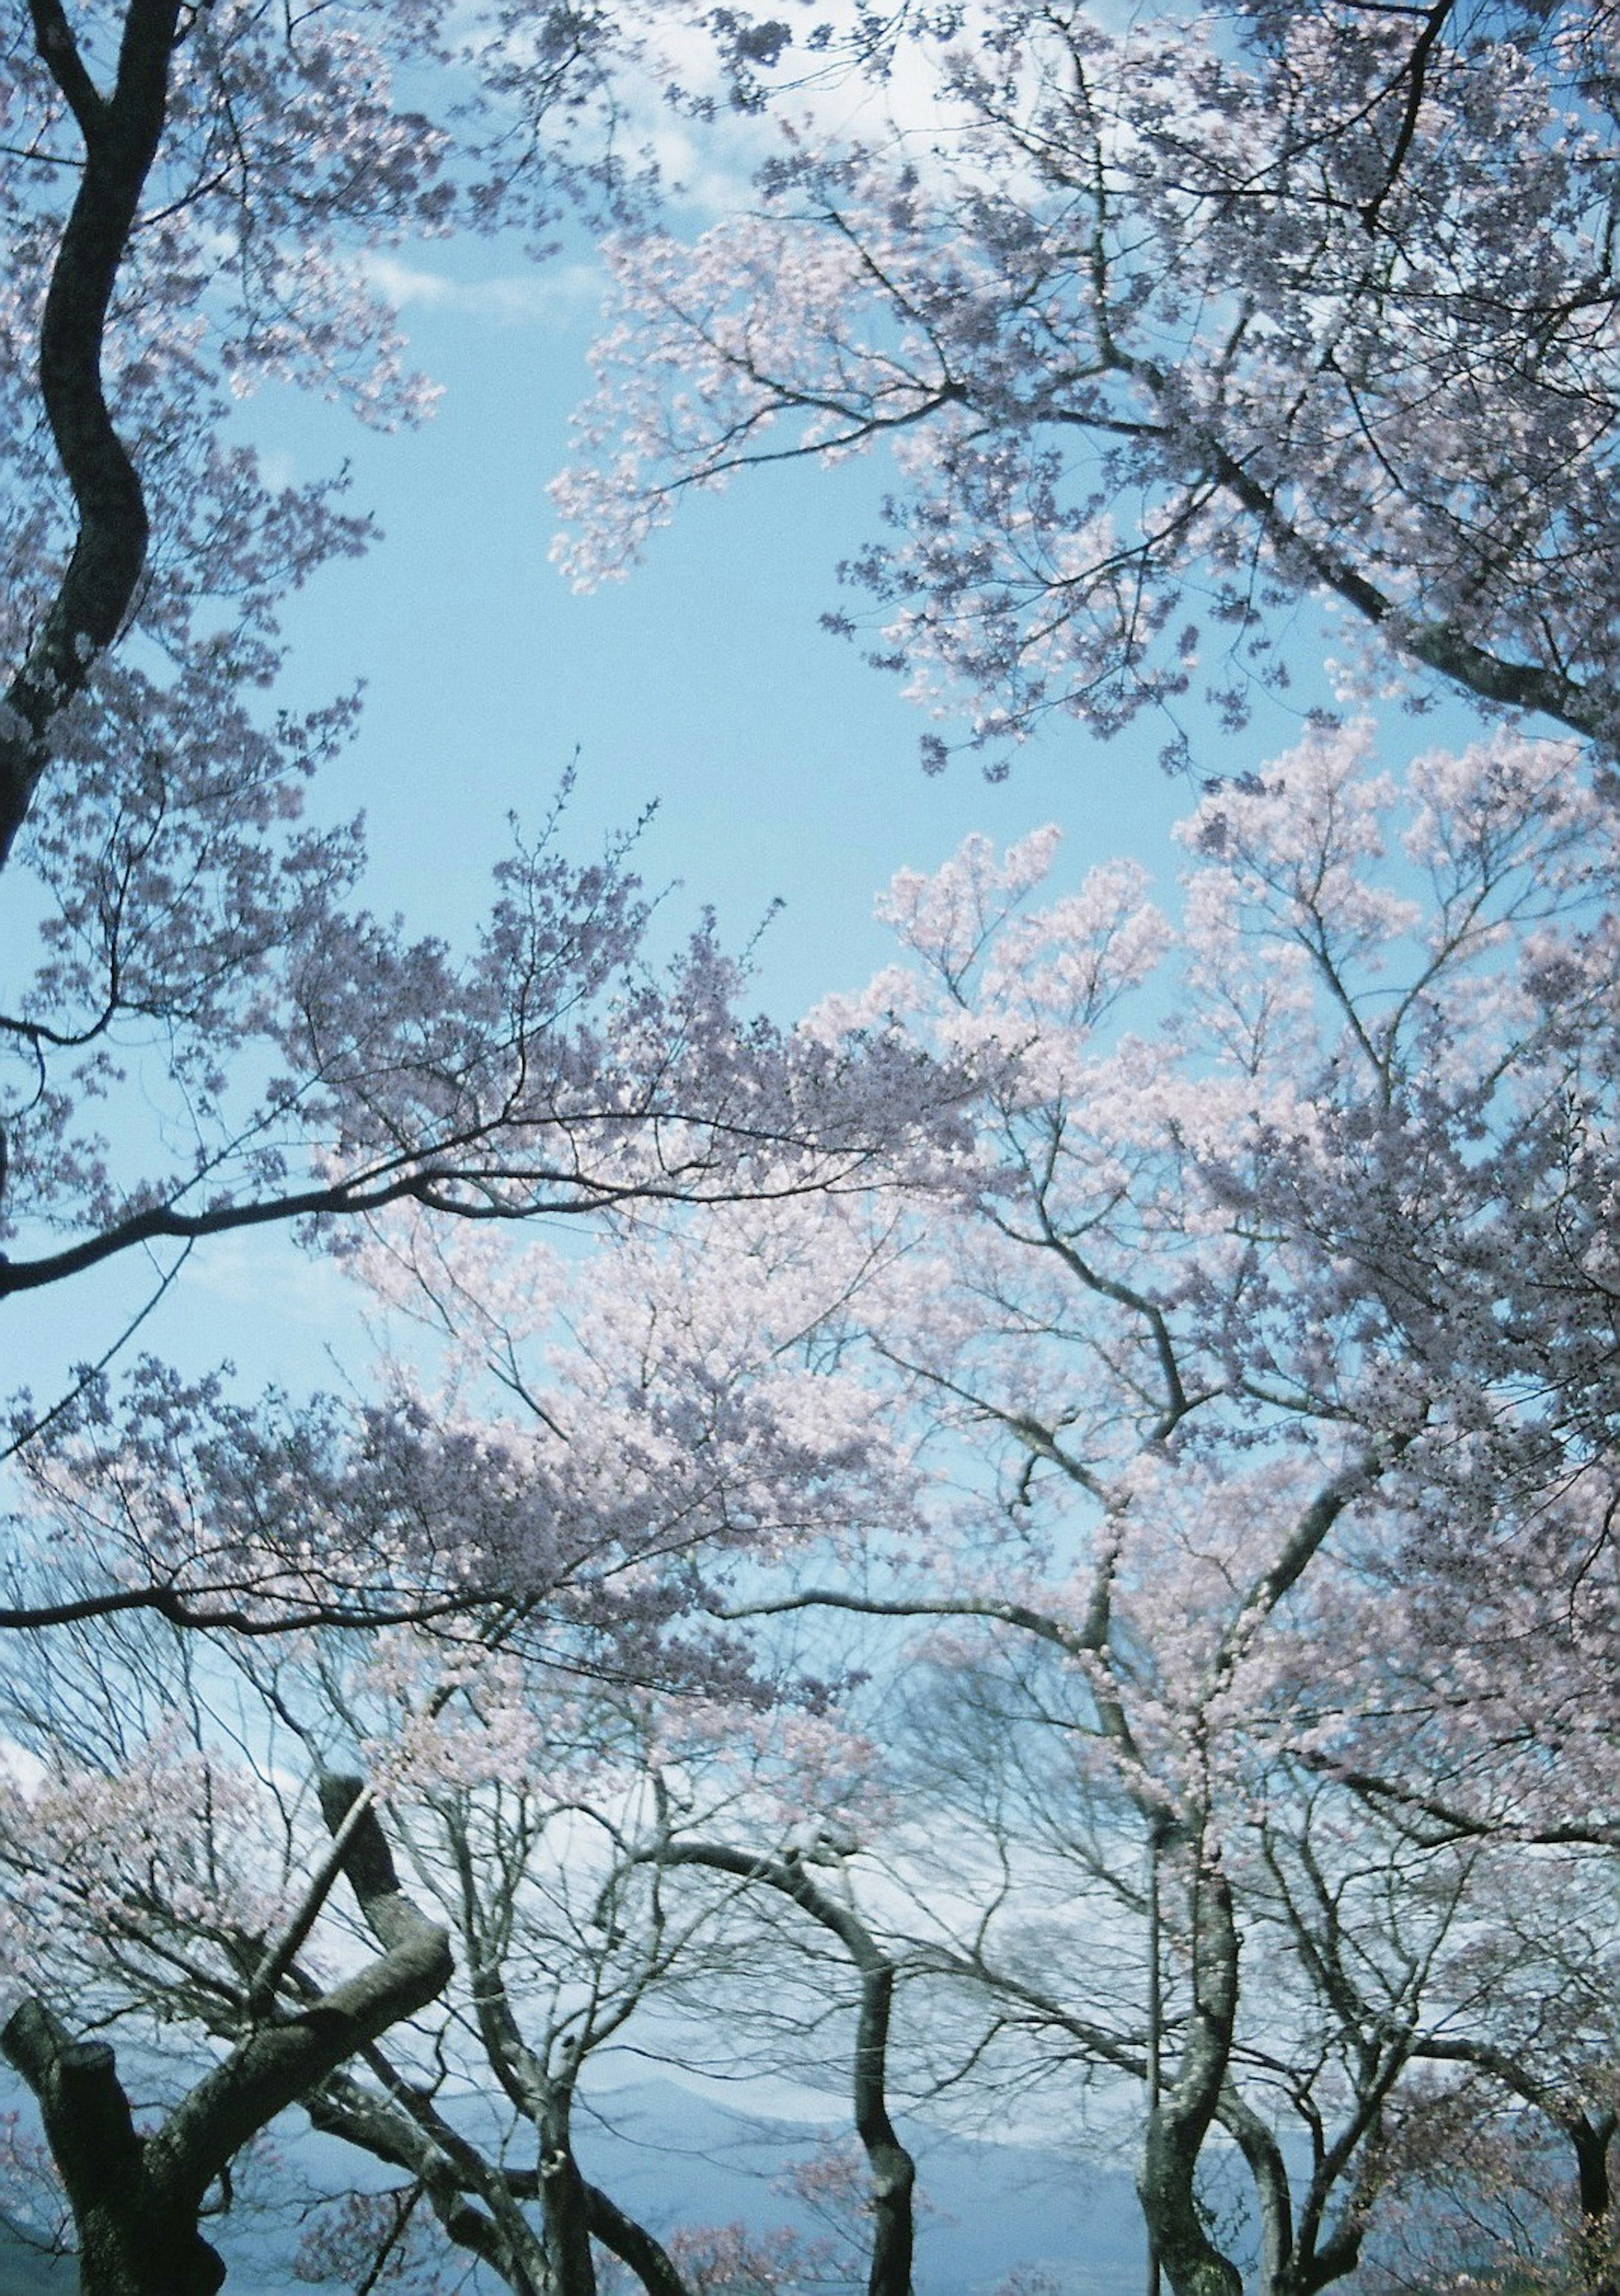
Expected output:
(1051, 1537)
(1168, 326)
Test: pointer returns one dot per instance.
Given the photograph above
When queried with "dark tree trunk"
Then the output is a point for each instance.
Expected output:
(1596, 2260)
(894, 2172)
(1179, 2121)
(547, 2102)
(476, 2201)
(563, 2199)
(132, 2239)
(1595, 2193)
(137, 2200)
(121, 134)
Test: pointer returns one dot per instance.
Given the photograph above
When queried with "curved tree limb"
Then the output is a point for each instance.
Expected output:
(894, 2172)
(137, 2200)
(121, 133)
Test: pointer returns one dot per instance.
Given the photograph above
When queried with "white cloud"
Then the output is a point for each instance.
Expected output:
(547, 295)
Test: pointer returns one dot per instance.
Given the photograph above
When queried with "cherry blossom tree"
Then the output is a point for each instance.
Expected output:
(1245, 1392)
(137, 1860)
(558, 1870)
(213, 1032)
(536, 1806)
(1242, 1395)
(154, 1840)
(1235, 1402)
(677, 1361)
(191, 194)
(1537, 2122)
(1169, 324)
(659, 1449)
(1268, 1352)
(1231, 1410)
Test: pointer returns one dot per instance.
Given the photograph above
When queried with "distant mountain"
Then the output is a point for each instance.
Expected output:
(672, 2156)
(26, 2270)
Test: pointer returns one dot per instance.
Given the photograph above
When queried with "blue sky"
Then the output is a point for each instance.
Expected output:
(783, 767)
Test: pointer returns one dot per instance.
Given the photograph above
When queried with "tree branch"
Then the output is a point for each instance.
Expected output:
(894, 2172)
(121, 134)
